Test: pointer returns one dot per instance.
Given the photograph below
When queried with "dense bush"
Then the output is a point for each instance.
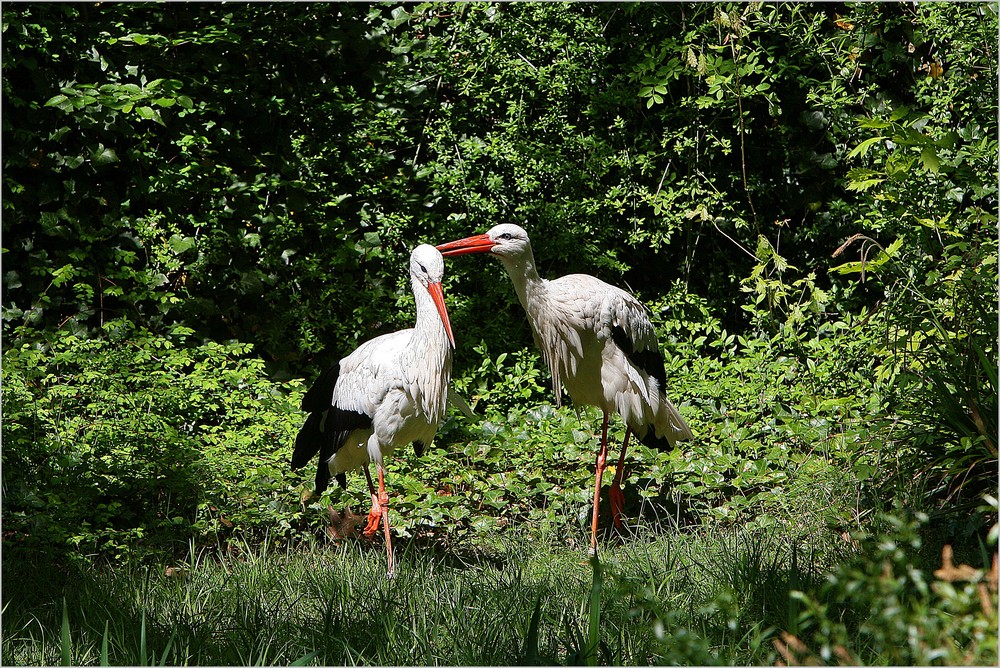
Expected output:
(130, 436)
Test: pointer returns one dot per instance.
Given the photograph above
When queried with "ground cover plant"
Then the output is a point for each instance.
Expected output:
(198, 217)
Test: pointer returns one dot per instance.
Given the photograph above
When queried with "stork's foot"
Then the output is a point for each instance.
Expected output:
(617, 498)
(374, 515)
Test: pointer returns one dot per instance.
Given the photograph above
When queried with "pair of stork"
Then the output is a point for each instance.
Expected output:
(596, 339)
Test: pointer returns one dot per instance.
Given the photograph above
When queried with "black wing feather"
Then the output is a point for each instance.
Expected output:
(649, 360)
(660, 443)
(320, 395)
(326, 429)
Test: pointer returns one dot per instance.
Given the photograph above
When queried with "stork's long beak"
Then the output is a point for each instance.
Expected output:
(438, 296)
(479, 243)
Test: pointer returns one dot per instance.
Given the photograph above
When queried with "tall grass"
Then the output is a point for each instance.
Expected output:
(517, 600)
(705, 597)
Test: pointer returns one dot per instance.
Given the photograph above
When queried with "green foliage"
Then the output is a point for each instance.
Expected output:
(195, 213)
(131, 437)
(887, 606)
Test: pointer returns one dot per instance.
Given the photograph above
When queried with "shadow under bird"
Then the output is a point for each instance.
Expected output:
(392, 390)
(598, 342)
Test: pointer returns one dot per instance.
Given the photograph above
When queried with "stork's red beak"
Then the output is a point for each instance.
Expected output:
(480, 243)
(438, 296)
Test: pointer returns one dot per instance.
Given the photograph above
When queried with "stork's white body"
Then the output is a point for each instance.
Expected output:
(597, 341)
(401, 381)
(572, 320)
(392, 390)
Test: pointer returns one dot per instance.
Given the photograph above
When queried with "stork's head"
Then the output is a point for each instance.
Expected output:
(427, 269)
(505, 241)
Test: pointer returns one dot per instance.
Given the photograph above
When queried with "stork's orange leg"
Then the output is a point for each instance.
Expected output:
(383, 501)
(376, 512)
(617, 497)
(602, 462)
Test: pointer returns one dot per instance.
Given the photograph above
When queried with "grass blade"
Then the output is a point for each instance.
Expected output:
(305, 660)
(142, 641)
(104, 646)
(66, 645)
(793, 585)
(531, 640)
(170, 643)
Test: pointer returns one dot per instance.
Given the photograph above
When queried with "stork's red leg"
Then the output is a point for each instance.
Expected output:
(617, 497)
(602, 462)
(383, 501)
(376, 512)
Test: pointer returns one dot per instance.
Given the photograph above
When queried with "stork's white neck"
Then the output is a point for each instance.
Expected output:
(523, 275)
(431, 357)
(429, 326)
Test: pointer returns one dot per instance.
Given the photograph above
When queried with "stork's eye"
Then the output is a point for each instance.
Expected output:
(422, 268)
(506, 236)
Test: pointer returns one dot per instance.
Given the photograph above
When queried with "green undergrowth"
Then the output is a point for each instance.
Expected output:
(146, 444)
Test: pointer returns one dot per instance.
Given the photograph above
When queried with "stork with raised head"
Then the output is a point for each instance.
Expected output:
(598, 342)
(392, 390)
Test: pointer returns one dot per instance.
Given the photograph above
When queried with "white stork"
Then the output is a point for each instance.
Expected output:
(598, 342)
(392, 390)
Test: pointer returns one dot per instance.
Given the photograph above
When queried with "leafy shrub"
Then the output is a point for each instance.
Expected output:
(133, 436)
(887, 606)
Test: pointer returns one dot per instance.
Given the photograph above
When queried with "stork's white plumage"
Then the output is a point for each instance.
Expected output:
(392, 390)
(598, 342)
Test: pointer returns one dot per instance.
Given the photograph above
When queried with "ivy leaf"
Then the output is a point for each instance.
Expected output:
(104, 156)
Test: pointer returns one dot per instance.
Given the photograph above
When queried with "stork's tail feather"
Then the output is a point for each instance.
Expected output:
(670, 428)
(309, 441)
(313, 439)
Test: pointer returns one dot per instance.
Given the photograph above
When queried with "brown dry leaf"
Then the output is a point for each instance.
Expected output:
(842, 23)
(950, 573)
(344, 524)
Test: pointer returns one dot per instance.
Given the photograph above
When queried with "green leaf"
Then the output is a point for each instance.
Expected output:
(861, 186)
(929, 157)
(862, 148)
(179, 244)
(873, 123)
(104, 156)
(871, 266)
